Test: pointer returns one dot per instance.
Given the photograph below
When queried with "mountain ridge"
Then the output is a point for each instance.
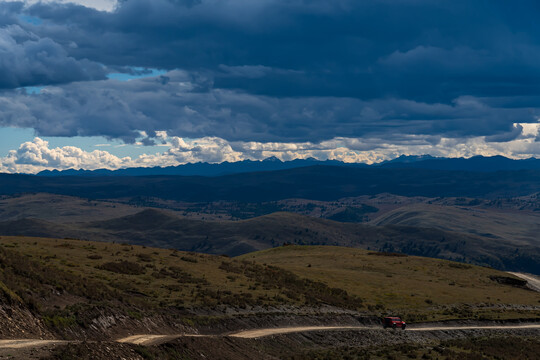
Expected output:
(475, 163)
(319, 182)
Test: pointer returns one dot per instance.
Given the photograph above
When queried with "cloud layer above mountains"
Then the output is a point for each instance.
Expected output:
(275, 71)
(37, 155)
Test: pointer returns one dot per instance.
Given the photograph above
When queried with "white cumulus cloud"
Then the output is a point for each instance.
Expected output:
(34, 156)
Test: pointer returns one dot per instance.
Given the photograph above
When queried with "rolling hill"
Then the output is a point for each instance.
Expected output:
(513, 227)
(166, 230)
(402, 283)
(60, 208)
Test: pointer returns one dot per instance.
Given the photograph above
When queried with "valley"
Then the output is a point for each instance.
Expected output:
(501, 233)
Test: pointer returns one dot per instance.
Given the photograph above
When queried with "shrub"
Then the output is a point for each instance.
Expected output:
(145, 257)
(383, 253)
(123, 267)
(59, 322)
(189, 259)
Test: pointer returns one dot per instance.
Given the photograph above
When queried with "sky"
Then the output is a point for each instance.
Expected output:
(128, 83)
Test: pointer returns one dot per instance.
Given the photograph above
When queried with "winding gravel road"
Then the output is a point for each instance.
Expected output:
(252, 334)
(154, 339)
(259, 333)
(27, 343)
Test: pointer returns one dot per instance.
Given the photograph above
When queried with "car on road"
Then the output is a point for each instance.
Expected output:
(393, 322)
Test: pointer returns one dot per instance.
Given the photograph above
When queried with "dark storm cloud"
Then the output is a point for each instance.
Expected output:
(425, 50)
(9, 13)
(26, 59)
(118, 108)
(29, 60)
(277, 70)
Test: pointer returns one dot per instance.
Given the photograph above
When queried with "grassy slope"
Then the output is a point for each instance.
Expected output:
(428, 287)
(55, 273)
(59, 208)
(56, 276)
(515, 227)
(160, 229)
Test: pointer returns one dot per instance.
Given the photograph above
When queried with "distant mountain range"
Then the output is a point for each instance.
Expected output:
(476, 163)
(313, 182)
(203, 169)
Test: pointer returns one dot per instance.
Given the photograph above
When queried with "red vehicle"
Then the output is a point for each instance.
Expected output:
(393, 322)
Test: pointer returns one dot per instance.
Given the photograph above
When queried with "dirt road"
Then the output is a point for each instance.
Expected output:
(147, 339)
(25, 343)
(503, 327)
(252, 334)
(154, 339)
(532, 280)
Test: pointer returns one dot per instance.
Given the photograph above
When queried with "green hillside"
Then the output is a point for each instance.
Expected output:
(83, 271)
(422, 288)
(63, 277)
